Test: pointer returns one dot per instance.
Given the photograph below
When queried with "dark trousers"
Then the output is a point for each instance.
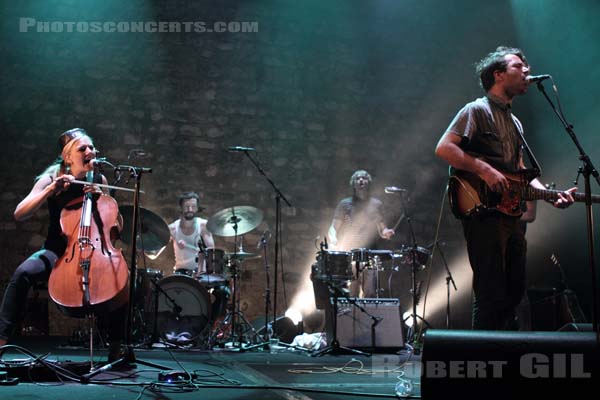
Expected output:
(497, 252)
(37, 268)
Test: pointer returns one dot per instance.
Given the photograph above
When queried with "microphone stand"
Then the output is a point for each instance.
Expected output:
(334, 347)
(587, 170)
(448, 280)
(279, 196)
(413, 274)
(129, 356)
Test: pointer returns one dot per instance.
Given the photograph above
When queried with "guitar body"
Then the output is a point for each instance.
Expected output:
(469, 195)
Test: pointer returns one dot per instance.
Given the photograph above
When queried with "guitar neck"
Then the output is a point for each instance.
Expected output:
(531, 193)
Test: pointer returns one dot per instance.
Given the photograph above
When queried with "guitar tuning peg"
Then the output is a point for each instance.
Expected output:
(550, 186)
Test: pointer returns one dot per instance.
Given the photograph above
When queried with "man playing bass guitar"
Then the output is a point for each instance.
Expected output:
(484, 141)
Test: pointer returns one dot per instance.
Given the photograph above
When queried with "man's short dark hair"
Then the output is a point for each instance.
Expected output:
(357, 174)
(495, 61)
(189, 195)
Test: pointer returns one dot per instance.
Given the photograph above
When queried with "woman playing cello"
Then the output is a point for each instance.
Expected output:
(54, 187)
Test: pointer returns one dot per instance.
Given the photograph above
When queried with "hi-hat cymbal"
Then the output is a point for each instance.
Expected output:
(153, 231)
(242, 218)
(242, 255)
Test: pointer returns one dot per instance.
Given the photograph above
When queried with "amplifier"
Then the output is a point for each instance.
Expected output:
(354, 327)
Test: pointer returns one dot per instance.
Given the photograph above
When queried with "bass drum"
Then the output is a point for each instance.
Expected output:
(183, 314)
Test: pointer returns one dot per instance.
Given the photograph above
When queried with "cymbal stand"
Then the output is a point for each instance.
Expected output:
(234, 307)
(129, 355)
(268, 332)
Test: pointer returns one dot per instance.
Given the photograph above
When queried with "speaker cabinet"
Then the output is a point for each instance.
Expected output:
(549, 309)
(506, 365)
(354, 327)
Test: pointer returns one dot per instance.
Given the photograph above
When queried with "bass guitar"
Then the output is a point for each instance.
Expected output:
(469, 195)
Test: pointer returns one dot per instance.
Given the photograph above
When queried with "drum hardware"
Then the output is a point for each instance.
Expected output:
(416, 257)
(335, 292)
(234, 326)
(371, 260)
(214, 274)
(242, 255)
(146, 278)
(234, 221)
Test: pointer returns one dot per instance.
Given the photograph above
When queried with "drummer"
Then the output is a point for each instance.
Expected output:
(190, 239)
(358, 223)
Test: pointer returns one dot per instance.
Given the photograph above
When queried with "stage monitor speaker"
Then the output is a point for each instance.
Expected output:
(572, 327)
(506, 365)
(354, 327)
(548, 309)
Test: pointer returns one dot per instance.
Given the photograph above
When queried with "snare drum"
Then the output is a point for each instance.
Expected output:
(334, 266)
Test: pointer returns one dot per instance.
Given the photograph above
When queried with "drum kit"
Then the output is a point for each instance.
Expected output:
(339, 267)
(177, 308)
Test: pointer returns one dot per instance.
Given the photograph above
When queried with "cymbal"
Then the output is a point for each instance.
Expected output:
(242, 255)
(224, 221)
(153, 230)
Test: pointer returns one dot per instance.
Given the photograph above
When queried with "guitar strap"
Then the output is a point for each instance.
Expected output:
(534, 162)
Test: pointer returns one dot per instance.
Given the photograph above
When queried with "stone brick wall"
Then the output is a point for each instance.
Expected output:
(322, 89)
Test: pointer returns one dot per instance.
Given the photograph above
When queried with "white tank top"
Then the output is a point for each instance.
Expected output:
(186, 257)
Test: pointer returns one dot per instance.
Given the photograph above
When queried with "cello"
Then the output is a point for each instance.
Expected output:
(92, 275)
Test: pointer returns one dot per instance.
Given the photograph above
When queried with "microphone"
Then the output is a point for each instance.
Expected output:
(537, 78)
(96, 162)
(136, 153)
(240, 148)
(394, 189)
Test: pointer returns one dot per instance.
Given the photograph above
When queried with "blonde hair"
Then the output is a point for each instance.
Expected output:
(59, 167)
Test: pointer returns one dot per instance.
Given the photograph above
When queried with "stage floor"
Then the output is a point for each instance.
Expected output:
(216, 374)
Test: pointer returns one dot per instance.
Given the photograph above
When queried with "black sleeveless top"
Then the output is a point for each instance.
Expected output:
(55, 240)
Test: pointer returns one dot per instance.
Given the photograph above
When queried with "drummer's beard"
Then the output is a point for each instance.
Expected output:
(188, 216)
